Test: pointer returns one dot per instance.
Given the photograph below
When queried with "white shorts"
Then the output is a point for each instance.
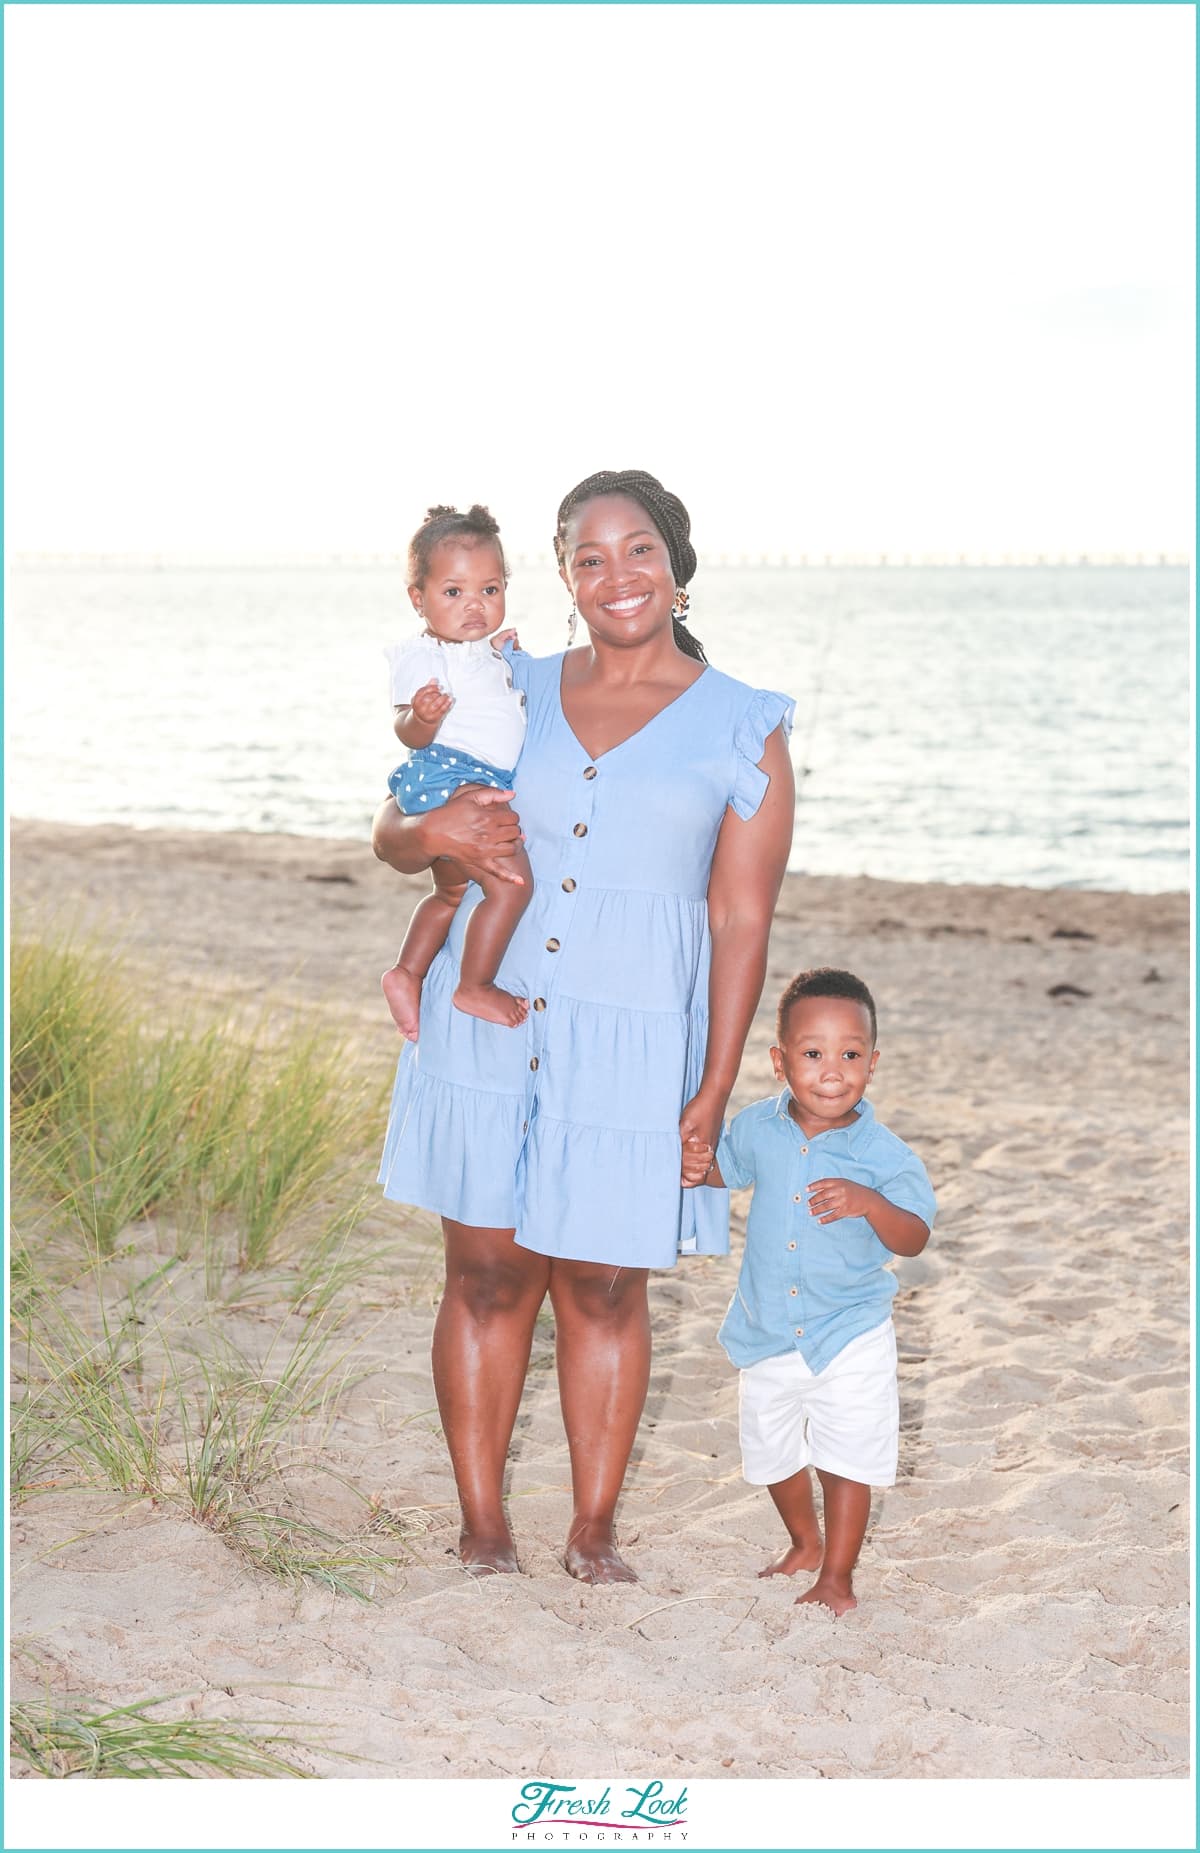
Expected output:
(845, 1418)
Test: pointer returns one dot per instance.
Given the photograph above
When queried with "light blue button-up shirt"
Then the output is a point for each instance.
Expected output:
(807, 1286)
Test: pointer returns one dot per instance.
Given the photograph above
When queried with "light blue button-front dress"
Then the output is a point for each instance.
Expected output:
(567, 1129)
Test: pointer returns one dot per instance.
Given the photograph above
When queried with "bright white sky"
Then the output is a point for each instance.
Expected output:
(848, 278)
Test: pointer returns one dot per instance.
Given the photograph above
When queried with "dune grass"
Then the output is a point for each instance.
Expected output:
(127, 1742)
(239, 1147)
(257, 1129)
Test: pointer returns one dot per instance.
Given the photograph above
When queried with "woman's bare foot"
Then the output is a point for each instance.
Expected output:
(592, 1556)
(488, 1553)
(837, 1596)
(403, 993)
(797, 1557)
(491, 1003)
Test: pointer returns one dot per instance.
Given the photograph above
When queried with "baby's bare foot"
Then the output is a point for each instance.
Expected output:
(592, 1556)
(797, 1557)
(488, 1553)
(403, 994)
(492, 1004)
(836, 1596)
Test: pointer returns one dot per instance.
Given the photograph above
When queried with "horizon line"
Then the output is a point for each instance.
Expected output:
(744, 561)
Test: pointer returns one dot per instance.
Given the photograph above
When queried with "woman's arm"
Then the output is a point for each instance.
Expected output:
(747, 873)
(474, 828)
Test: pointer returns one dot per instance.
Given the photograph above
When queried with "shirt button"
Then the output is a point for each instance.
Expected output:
(568, 886)
(539, 1003)
(552, 946)
(589, 772)
(804, 1149)
(799, 1331)
(796, 1198)
(524, 1125)
(791, 1244)
(533, 1062)
(792, 1291)
(581, 829)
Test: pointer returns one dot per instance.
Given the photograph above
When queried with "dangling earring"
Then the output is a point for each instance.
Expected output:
(572, 621)
(680, 608)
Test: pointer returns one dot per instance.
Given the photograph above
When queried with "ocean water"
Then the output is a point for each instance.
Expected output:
(985, 724)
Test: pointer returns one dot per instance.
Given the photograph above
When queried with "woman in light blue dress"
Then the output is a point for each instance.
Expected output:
(656, 798)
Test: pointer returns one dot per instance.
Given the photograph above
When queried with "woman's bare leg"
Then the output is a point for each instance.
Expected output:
(602, 1326)
(424, 939)
(481, 1343)
(491, 926)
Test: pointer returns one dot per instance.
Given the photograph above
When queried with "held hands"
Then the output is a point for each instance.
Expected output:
(699, 1131)
(430, 705)
(832, 1198)
(697, 1163)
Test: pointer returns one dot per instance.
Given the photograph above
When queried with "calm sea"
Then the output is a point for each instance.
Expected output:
(994, 724)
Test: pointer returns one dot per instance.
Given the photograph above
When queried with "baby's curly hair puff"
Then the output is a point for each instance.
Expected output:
(444, 522)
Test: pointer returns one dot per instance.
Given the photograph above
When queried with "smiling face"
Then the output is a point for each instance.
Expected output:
(462, 597)
(826, 1056)
(617, 566)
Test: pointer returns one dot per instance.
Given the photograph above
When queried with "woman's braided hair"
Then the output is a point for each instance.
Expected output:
(666, 511)
(443, 523)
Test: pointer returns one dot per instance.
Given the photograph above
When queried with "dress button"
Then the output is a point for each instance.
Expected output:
(539, 1003)
(581, 829)
(533, 1061)
(568, 886)
(589, 772)
(552, 946)
(791, 1244)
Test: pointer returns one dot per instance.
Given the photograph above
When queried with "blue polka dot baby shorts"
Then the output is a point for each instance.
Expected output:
(431, 774)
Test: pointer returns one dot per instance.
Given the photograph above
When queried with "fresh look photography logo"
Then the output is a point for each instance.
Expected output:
(562, 1811)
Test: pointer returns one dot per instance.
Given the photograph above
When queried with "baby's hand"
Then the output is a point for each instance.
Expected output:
(697, 1162)
(831, 1198)
(430, 705)
(508, 636)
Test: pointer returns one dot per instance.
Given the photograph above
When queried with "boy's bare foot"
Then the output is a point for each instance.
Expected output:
(592, 1556)
(403, 993)
(488, 1553)
(797, 1557)
(491, 1003)
(831, 1595)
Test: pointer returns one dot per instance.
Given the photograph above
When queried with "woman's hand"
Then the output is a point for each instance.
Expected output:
(700, 1129)
(698, 1161)
(476, 829)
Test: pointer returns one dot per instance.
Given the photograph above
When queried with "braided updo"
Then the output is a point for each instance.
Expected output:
(444, 523)
(666, 511)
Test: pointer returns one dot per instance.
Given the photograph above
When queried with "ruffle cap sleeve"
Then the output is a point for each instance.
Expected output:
(765, 712)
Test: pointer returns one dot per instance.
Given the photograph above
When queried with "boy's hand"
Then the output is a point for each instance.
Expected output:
(430, 705)
(503, 637)
(697, 1162)
(831, 1198)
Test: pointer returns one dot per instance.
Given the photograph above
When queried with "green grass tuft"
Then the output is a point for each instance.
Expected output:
(116, 1117)
(126, 1743)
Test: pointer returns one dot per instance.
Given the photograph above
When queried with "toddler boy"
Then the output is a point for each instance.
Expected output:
(835, 1197)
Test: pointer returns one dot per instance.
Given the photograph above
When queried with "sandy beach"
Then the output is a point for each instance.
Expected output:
(1023, 1588)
